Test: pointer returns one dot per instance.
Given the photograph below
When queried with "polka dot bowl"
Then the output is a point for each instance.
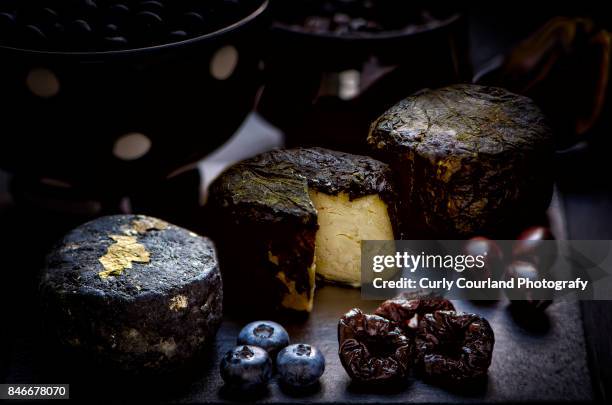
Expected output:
(112, 119)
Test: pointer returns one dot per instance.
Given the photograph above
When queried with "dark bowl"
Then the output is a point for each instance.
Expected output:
(109, 120)
(305, 72)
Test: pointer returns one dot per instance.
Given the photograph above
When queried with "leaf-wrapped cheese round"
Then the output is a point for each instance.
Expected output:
(470, 159)
(291, 213)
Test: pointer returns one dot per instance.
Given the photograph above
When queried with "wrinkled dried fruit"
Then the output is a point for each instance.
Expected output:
(408, 312)
(454, 347)
(373, 349)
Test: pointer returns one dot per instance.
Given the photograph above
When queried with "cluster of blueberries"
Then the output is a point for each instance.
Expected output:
(99, 25)
(250, 366)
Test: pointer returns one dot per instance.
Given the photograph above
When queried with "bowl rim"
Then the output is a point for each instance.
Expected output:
(380, 36)
(138, 51)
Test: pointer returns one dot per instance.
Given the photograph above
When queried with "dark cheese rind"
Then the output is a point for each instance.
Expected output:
(254, 193)
(469, 158)
(151, 318)
(274, 185)
(263, 208)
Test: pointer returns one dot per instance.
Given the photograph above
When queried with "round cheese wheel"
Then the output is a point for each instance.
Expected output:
(469, 159)
(133, 292)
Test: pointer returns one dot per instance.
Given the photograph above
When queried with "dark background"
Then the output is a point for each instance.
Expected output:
(583, 181)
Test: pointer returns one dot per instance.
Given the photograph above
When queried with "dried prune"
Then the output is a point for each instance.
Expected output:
(373, 349)
(454, 347)
(408, 312)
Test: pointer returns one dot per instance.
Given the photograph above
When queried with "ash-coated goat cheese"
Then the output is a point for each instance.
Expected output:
(133, 293)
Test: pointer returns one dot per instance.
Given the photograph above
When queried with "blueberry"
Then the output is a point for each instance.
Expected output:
(246, 367)
(300, 365)
(268, 335)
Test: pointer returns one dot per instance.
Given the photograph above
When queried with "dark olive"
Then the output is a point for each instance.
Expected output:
(525, 297)
(492, 257)
(536, 244)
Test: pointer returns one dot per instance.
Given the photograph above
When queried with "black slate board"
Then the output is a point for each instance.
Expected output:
(537, 361)
(546, 363)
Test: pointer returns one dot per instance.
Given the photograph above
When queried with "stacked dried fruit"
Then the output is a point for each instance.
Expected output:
(444, 345)
(99, 25)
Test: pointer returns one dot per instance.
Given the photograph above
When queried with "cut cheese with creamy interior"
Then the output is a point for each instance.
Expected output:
(343, 224)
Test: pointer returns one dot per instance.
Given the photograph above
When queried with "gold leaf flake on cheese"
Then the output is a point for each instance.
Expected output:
(178, 302)
(145, 224)
(121, 254)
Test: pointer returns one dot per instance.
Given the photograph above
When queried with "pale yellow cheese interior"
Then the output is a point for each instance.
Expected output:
(343, 224)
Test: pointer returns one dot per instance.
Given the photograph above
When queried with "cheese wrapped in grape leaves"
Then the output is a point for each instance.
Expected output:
(286, 215)
(469, 159)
